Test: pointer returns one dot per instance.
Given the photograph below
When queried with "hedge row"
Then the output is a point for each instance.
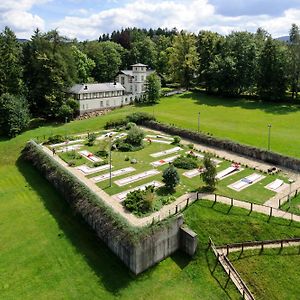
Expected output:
(244, 150)
(101, 217)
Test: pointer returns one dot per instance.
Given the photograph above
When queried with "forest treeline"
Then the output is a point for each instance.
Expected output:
(38, 73)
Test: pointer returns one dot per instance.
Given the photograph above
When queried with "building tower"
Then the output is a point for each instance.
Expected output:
(139, 74)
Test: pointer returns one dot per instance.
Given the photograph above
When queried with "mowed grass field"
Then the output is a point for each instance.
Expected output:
(271, 274)
(48, 253)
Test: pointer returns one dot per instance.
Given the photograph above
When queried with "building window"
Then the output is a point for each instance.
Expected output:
(142, 77)
(107, 102)
(122, 80)
(135, 87)
(136, 68)
(130, 79)
(131, 88)
(83, 106)
(135, 78)
(125, 100)
(101, 103)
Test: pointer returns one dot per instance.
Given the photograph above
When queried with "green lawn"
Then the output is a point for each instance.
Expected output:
(292, 206)
(270, 274)
(48, 253)
(241, 120)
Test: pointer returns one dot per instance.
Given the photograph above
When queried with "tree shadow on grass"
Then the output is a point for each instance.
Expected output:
(276, 108)
(112, 273)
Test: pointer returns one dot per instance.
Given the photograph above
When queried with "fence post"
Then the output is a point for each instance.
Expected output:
(231, 201)
(197, 195)
(262, 246)
(176, 210)
(251, 208)
(281, 244)
(296, 193)
(227, 249)
(271, 211)
(215, 198)
(279, 204)
(242, 247)
(187, 202)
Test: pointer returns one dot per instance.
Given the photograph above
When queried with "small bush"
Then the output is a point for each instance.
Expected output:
(130, 125)
(91, 139)
(102, 153)
(55, 139)
(133, 161)
(124, 147)
(115, 123)
(167, 200)
(186, 162)
(135, 136)
(100, 163)
(139, 117)
(71, 163)
(140, 202)
(191, 146)
(74, 155)
(127, 158)
(177, 140)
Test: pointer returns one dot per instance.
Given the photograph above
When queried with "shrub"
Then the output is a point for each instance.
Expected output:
(91, 139)
(130, 125)
(127, 158)
(135, 136)
(139, 117)
(100, 163)
(177, 140)
(167, 200)
(133, 161)
(115, 123)
(74, 155)
(124, 147)
(170, 177)
(191, 146)
(55, 139)
(140, 202)
(71, 163)
(188, 162)
(102, 153)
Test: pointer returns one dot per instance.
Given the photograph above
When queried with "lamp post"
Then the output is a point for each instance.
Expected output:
(269, 136)
(110, 144)
(199, 122)
(290, 183)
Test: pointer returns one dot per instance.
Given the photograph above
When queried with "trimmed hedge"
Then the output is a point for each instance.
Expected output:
(241, 149)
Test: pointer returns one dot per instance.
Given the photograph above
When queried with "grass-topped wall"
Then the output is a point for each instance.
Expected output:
(245, 150)
(139, 248)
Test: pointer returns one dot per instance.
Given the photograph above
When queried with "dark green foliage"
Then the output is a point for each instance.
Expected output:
(115, 123)
(14, 114)
(10, 64)
(170, 177)
(74, 155)
(91, 139)
(135, 136)
(140, 202)
(55, 139)
(49, 70)
(272, 78)
(153, 88)
(124, 147)
(139, 117)
(177, 140)
(187, 162)
(100, 163)
(209, 174)
(102, 153)
(130, 125)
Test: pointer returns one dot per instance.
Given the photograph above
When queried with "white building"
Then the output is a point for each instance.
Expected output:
(129, 86)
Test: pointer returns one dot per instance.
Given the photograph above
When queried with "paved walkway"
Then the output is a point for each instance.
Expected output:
(255, 207)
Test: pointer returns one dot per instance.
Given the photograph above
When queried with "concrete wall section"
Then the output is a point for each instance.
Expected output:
(188, 241)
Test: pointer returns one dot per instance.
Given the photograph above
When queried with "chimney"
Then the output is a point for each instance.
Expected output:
(85, 87)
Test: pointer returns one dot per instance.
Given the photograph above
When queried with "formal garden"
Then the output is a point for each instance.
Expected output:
(145, 170)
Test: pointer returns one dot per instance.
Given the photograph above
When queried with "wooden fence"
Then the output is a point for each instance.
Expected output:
(232, 273)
